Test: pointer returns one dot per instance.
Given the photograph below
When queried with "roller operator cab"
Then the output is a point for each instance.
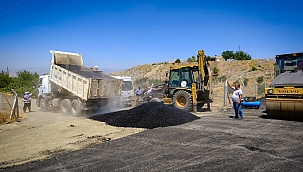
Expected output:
(284, 97)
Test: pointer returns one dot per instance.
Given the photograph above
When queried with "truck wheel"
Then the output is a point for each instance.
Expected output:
(155, 99)
(66, 106)
(43, 104)
(183, 100)
(76, 108)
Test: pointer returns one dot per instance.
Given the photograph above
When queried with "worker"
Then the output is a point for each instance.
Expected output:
(236, 98)
(27, 101)
(138, 92)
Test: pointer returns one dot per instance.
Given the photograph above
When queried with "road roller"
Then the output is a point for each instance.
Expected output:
(284, 96)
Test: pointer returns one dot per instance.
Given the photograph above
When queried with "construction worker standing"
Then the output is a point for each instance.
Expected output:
(27, 101)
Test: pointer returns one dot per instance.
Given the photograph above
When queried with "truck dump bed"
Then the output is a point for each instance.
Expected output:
(68, 72)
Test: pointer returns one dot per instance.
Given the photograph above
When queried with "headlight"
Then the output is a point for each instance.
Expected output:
(270, 91)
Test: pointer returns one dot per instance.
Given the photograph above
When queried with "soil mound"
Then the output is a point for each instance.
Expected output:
(149, 115)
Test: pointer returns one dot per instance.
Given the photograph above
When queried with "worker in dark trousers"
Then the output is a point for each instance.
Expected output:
(27, 101)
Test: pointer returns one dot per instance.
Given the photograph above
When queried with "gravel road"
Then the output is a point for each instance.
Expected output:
(40, 135)
(214, 142)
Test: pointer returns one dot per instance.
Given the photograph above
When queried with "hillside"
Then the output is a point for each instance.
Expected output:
(233, 70)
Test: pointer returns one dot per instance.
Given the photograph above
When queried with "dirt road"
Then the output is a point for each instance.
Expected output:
(39, 135)
(215, 142)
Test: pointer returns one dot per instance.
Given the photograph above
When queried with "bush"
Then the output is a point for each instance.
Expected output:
(245, 81)
(24, 82)
(260, 79)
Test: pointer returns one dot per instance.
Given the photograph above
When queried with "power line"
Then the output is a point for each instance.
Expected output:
(3, 3)
(14, 9)
(8, 6)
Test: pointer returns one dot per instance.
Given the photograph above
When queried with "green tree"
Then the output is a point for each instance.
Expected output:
(240, 55)
(178, 60)
(24, 82)
(191, 59)
(4, 80)
(228, 54)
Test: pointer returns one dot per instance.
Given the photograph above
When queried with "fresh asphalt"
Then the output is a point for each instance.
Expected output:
(215, 142)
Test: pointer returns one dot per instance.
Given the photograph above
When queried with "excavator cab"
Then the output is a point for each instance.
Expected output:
(181, 78)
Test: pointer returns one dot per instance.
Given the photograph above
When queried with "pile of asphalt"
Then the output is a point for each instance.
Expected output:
(89, 73)
(149, 115)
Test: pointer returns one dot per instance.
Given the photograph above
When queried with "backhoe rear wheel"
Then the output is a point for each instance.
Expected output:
(183, 100)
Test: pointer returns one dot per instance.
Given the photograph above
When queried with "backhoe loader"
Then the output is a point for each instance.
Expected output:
(188, 87)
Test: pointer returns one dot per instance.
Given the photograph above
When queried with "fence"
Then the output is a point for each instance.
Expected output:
(9, 109)
(222, 93)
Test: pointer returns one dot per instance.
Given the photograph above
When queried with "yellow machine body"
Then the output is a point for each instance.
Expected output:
(284, 97)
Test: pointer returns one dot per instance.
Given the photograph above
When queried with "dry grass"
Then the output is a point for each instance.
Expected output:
(4, 117)
(233, 70)
(5, 110)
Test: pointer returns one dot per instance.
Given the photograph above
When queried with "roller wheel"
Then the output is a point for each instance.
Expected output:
(183, 100)
(76, 108)
(66, 106)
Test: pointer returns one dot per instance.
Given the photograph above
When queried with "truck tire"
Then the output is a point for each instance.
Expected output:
(76, 108)
(42, 104)
(183, 100)
(66, 106)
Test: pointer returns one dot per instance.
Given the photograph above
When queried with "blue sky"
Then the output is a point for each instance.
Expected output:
(121, 34)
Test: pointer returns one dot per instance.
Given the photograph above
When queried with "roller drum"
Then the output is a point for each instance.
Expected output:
(292, 110)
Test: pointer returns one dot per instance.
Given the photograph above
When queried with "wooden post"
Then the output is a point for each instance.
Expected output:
(15, 107)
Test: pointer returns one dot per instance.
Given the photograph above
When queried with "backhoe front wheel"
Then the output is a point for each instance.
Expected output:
(183, 100)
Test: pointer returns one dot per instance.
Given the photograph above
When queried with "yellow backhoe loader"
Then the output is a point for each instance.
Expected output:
(188, 87)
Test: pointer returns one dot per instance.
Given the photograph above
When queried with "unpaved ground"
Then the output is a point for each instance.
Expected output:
(39, 135)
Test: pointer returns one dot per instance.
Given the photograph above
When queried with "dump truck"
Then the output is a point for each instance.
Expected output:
(128, 94)
(284, 97)
(188, 87)
(73, 88)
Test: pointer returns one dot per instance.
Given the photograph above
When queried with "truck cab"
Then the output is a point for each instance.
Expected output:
(44, 88)
(44, 85)
(127, 93)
